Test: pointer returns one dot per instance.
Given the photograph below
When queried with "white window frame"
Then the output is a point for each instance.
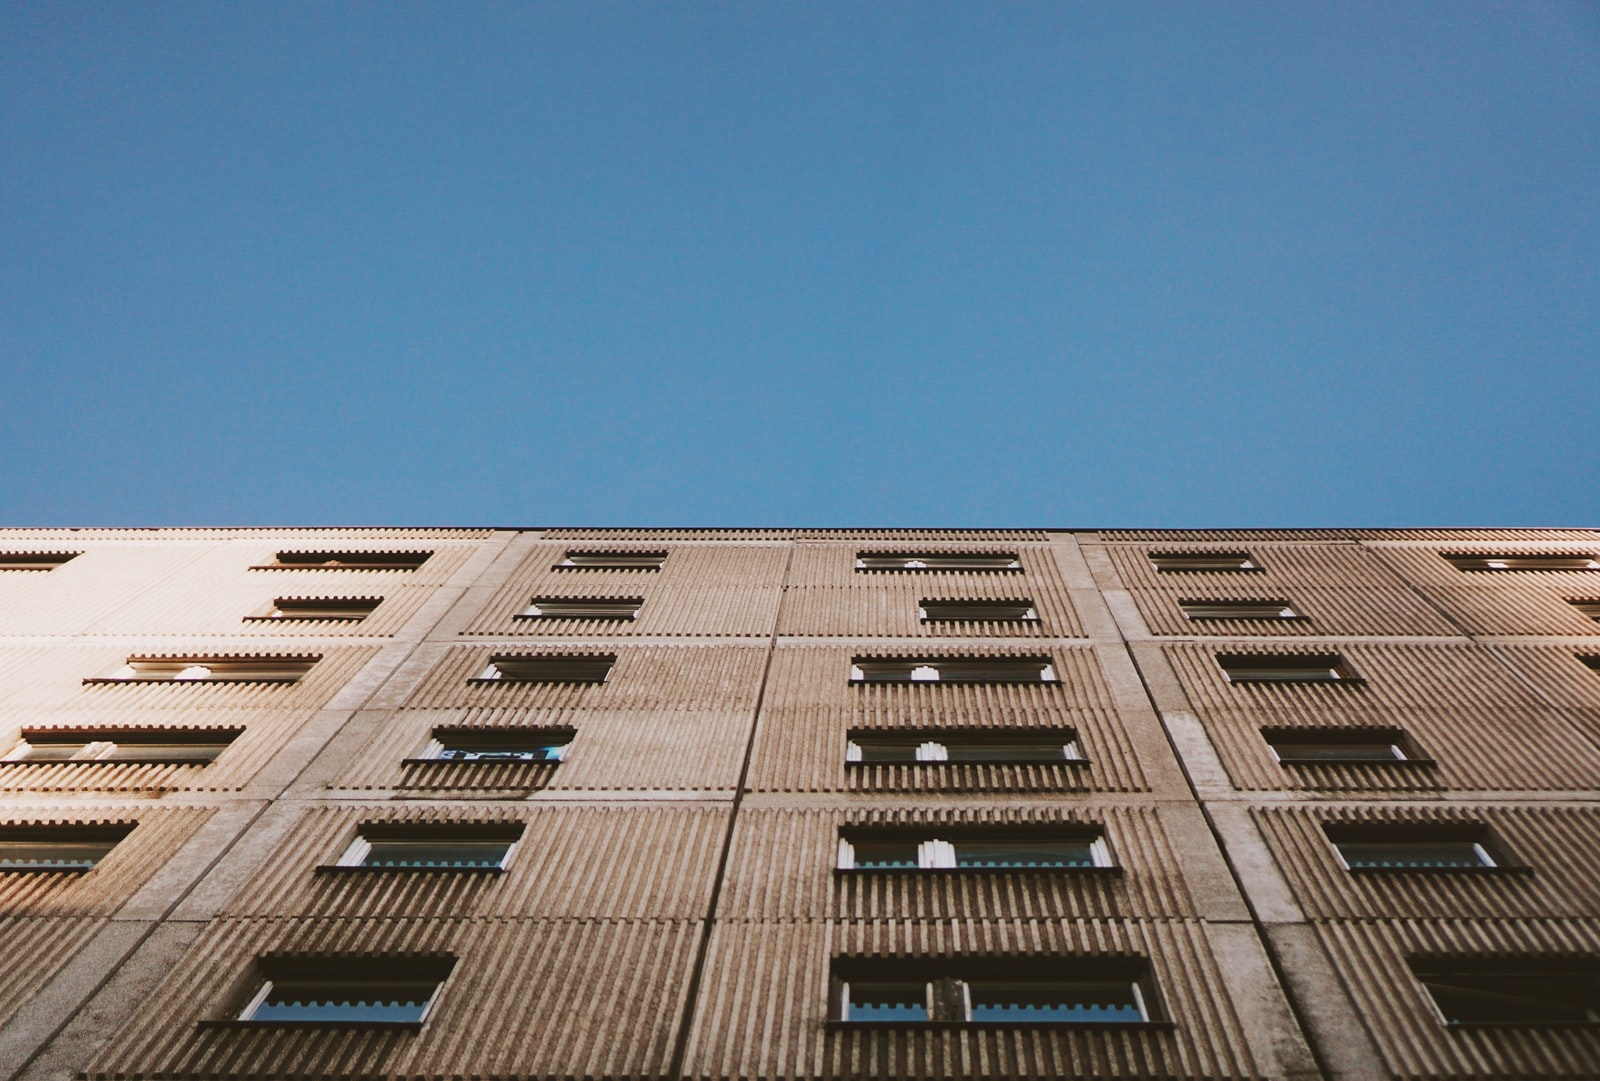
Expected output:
(360, 847)
(1486, 858)
(434, 751)
(267, 985)
(936, 853)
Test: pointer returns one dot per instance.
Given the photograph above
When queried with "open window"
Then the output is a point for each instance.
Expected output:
(997, 611)
(232, 668)
(357, 990)
(35, 561)
(1286, 668)
(952, 670)
(1524, 561)
(317, 609)
(1588, 608)
(432, 846)
(866, 747)
(612, 561)
(610, 609)
(450, 744)
(1472, 991)
(59, 848)
(1267, 611)
(1416, 846)
(1017, 991)
(548, 668)
(122, 746)
(938, 561)
(345, 561)
(1344, 746)
(1203, 562)
(957, 848)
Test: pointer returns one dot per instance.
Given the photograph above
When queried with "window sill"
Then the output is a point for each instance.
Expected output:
(959, 1026)
(480, 762)
(987, 762)
(1480, 1026)
(340, 869)
(1512, 871)
(955, 682)
(530, 682)
(1115, 871)
(1380, 763)
(304, 619)
(40, 762)
(107, 680)
(1344, 681)
(234, 1024)
(45, 870)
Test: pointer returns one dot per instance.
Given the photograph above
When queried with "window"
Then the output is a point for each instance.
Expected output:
(1286, 668)
(356, 990)
(556, 668)
(937, 561)
(345, 561)
(612, 561)
(497, 745)
(952, 670)
(1055, 991)
(607, 608)
(1590, 609)
(229, 669)
(324, 609)
(35, 561)
(1263, 610)
(56, 848)
(184, 747)
(1524, 562)
(1403, 846)
(879, 748)
(932, 611)
(1511, 991)
(1203, 562)
(431, 847)
(972, 850)
(1310, 746)
(1590, 661)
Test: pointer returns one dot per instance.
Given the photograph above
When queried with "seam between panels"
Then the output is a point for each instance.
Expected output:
(708, 922)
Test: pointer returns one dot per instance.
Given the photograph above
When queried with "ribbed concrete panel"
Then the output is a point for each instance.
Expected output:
(835, 565)
(722, 590)
(1480, 725)
(34, 948)
(526, 999)
(1340, 588)
(1410, 1036)
(798, 534)
(765, 1002)
(1544, 838)
(641, 862)
(56, 537)
(1559, 675)
(613, 750)
(811, 706)
(156, 834)
(644, 678)
(445, 561)
(77, 594)
(1323, 535)
(782, 863)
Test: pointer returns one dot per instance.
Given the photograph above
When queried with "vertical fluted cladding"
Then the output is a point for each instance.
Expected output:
(1483, 727)
(1414, 1042)
(1559, 675)
(34, 948)
(438, 568)
(1411, 536)
(706, 590)
(782, 867)
(104, 578)
(885, 536)
(764, 1006)
(1340, 588)
(1551, 883)
(829, 597)
(811, 705)
(527, 998)
(1501, 602)
(154, 835)
(651, 861)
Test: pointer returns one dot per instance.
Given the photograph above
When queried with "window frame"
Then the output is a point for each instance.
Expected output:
(108, 740)
(1521, 562)
(1340, 672)
(1232, 561)
(921, 739)
(623, 560)
(35, 561)
(605, 609)
(291, 559)
(948, 984)
(912, 562)
(554, 737)
(303, 610)
(926, 669)
(155, 670)
(360, 846)
(108, 834)
(1413, 754)
(497, 660)
(925, 605)
(1494, 970)
(1489, 846)
(938, 848)
(1294, 614)
(274, 970)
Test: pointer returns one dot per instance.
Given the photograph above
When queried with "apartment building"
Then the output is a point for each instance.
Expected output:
(738, 804)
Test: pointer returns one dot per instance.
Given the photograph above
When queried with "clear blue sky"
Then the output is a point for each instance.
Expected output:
(978, 264)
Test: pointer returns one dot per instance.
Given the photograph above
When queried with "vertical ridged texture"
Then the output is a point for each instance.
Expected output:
(1558, 675)
(609, 862)
(1482, 726)
(763, 1008)
(1502, 602)
(1544, 838)
(527, 999)
(1415, 1043)
(34, 947)
(782, 868)
(155, 836)
(1340, 588)
(811, 705)
(907, 536)
(700, 590)
(1205, 536)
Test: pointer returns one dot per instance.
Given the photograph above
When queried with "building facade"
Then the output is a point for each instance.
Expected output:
(597, 803)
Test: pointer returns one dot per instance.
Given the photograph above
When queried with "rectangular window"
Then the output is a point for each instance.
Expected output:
(1589, 609)
(356, 990)
(938, 561)
(1413, 855)
(952, 670)
(214, 669)
(1021, 992)
(612, 561)
(558, 668)
(1203, 562)
(185, 747)
(1286, 668)
(972, 850)
(1309, 746)
(321, 609)
(1590, 661)
(934, 611)
(605, 608)
(1512, 991)
(35, 561)
(1523, 562)
(497, 745)
(874, 748)
(345, 561)
(57, 848)
(431, 847)
(1260, 610)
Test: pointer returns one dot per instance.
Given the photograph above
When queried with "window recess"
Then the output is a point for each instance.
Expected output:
(942, 611)
(612, 561)
(557, 668)
(952, 670)
(1344, 746)
(69, 849)
(320, 609)
(345, 561)
(35, 561)
(1016, 991)
(1482, 991)
(451, 846)
(1589, 609)
(938, 561)
(497, 745)
(1416, 846)
(346, 990)
(1523, 562)
(603, 608)
(957, 748)
(1203, 562)
(122, 746)
(1267, 611)
(1287, 668)
(970, 849)
(285, 668)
